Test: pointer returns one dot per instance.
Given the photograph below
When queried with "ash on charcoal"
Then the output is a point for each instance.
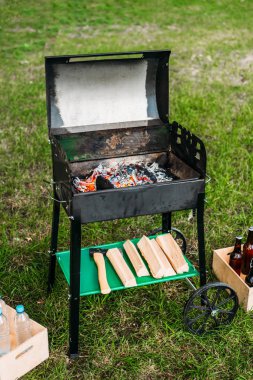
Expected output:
(122, 175)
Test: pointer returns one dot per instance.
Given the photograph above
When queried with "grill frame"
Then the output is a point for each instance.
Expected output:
(185, 149)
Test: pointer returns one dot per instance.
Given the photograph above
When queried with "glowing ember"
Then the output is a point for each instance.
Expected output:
(121, 175)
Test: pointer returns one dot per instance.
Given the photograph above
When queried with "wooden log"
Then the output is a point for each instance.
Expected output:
(135, 258)
(123, 271)
(168, 270)
(150, 255)
(173, 253)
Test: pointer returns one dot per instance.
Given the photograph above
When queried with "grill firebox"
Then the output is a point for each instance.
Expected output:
(115, 107)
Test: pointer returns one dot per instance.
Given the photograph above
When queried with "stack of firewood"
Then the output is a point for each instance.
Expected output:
(162, 254)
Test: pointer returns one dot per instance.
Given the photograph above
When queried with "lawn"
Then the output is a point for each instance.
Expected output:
(135, 334)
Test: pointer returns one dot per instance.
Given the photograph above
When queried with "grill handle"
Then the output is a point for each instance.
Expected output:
(52, 183)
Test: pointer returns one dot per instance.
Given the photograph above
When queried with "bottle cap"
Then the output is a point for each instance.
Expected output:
(251, 228)
(238, 237)
(20, 309)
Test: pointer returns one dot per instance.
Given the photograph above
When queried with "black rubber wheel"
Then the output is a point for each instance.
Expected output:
(210, 307)
(177, 235)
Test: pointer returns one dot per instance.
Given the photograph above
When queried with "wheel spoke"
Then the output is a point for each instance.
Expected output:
(225, 311)
(225, 301)
(199, 307)
(217, 296)
(191, 321)
(204, 298)
(201, 327)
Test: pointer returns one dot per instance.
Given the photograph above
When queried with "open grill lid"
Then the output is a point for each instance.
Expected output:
(105, 91)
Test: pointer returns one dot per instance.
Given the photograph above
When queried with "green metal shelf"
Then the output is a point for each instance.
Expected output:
(89, 278)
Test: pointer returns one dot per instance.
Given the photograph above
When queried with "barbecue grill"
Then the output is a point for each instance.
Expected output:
(114, 107)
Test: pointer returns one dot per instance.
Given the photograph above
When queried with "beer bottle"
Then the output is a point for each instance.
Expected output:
(247, 252)
(249, 277)
(235, 260)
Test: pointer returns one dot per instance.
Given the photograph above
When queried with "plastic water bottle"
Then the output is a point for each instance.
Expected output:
(3, 306)
(22, 325)
(4, 335)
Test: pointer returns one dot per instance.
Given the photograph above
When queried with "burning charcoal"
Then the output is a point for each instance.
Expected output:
(134, 177)
(103, 183)
(118, 175)
(83, 185)
(150, 175)
(130, 169)
(160, 173)
(170, 174)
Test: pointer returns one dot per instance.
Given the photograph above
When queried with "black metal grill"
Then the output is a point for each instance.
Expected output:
(80, 141)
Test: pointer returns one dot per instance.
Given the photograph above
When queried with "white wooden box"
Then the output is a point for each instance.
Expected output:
(21, 359)
(226, 274)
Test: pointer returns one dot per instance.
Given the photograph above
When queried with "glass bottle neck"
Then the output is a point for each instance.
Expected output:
(250, 237)
(237, 247)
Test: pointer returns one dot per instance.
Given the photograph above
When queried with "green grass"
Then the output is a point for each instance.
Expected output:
(135, 334)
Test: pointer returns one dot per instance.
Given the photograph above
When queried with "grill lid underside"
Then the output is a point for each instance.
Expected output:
(86, 93)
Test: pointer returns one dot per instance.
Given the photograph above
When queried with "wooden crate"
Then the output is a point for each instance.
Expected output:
(226, 274)
(23, 358)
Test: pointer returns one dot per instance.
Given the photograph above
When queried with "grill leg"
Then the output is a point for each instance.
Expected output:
(166, 222)
(53, 246)
(201, 238)
(74, 298)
